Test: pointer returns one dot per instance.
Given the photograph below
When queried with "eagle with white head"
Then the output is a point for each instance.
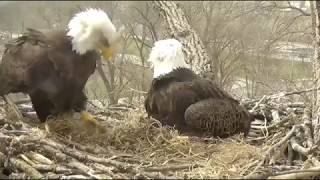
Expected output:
(165, 56)
(179, 97)
(53, 67)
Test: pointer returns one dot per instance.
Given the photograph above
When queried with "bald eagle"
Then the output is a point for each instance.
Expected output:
(53, 67)
(178, 97)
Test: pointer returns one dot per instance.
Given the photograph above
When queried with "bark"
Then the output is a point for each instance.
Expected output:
(316, 64)
(180, 29)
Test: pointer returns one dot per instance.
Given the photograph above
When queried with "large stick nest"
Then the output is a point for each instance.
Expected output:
(127, 144)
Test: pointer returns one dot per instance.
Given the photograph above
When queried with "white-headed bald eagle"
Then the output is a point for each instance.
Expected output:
(178, 97)
(53, 67)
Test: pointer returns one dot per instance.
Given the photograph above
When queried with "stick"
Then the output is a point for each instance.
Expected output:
(257, 104)
(307, 126)
(172, 167)
(71, 162)
(23, 101)
(275, 96)
(52, 168)
(74, 177)
(137, 91)
(297, 174)
(297, 147)
(24, 167)
(39, 158)
(276, 146)
(279, 123)
(85, 157)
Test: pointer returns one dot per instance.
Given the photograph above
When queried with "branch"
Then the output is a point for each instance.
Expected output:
(304, 13)
(298, 174)
(282, 94)
(274, 147)
(173, 167)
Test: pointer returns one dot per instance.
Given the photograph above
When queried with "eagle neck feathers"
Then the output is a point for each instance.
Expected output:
(177, 75)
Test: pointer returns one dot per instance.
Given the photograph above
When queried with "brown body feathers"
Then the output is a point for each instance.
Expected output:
(193, 104)
(44, 66)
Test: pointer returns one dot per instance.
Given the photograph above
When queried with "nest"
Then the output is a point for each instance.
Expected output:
(127, 144)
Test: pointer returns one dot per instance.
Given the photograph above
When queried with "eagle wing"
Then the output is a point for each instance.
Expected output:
(218, 117)
(21, 56)
(168, 100)
(69, 65)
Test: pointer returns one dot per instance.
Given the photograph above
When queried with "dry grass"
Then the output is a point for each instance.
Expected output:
(153, 144)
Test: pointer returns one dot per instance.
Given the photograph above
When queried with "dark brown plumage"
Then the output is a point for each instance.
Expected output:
(44, 66)
(193, 104)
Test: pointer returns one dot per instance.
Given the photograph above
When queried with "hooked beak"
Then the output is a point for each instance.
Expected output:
(107, 52)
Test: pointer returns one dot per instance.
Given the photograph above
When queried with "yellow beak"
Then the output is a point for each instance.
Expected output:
(107, 52)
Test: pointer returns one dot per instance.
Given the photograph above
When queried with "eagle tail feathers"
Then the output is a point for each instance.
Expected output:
(218, 117)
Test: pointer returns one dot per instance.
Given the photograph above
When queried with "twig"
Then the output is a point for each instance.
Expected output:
(282, 94)
(276, 146)
(258, 103)
(137, 91)
(279, 123)
(85, 157)
(39, 158)
(74, 177)
(52, 168)
(307, 126)
(172, 167)
(297, 174)
(71, 162)
(118, 108)
(22, 101)
(103, 168)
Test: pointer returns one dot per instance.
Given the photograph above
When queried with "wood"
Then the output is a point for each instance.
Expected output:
(316, 64)
(275, 147)
(298, 174)
(23, 166)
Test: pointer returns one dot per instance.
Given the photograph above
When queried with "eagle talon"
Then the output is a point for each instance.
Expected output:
(86, 117)
(90, 123)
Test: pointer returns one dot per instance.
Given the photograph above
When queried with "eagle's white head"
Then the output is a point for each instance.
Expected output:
(92, 30)
(165, 56)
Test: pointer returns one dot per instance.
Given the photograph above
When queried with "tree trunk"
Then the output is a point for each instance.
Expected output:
(180, 29)
(315, 15)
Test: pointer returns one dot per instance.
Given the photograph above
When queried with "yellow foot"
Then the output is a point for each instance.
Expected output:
(86, 117)
(90, 122)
